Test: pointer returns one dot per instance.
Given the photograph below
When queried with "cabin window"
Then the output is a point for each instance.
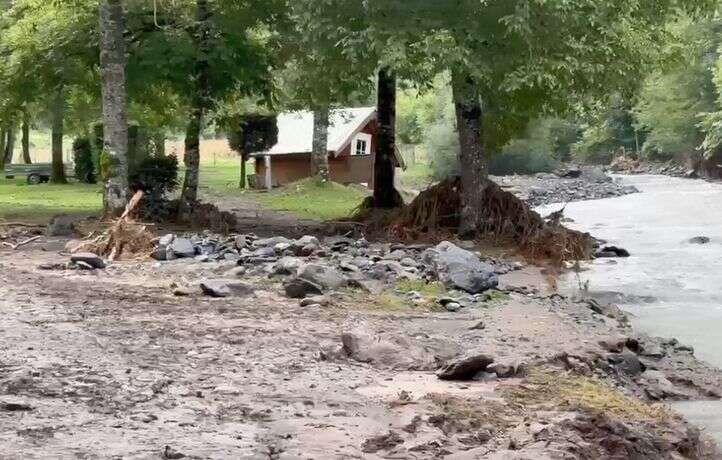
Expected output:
(361, 144)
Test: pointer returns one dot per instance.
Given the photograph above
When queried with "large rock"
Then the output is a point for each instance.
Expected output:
(225, 288)
(89, 258)
(271, 242)
(460, 269)
(465, 368)
(286, 266)
(299, 288)
(392, 352)
(322, 275)
(182, 247)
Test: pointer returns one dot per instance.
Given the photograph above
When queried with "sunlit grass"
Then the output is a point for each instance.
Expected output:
(19, 200)
(311, 199)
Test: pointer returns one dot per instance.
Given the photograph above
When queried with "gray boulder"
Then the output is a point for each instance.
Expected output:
(465, 368)
(699, 240)
(299, 288)
(182, 247)
(460, 269)
(225, 288)
(322, 275)
(390, 352)
(271, 242)
(286, 266)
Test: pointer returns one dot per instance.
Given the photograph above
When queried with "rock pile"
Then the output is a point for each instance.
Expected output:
(309, 267)
(575, 184)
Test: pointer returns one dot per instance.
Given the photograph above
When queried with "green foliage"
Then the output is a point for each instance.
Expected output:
(610, 129)
(673, 98)
(252, 133)
(105, 162)
(83, 160)
(157, 176)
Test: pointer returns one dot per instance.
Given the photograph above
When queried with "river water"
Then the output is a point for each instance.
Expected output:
(673, 288)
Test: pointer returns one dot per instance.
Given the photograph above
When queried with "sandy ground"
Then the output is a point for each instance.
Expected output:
(110, 364)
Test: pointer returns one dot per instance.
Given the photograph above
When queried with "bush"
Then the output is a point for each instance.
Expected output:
(83, 158)
(156, 176)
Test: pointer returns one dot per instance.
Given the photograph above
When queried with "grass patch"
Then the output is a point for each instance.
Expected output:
(575, 392)
(433, 289)
(223, 174)
(417, 177)
(497, 296)
(19, 200)
(311, 199)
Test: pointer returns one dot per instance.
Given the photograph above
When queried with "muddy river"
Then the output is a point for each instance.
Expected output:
(671, 286)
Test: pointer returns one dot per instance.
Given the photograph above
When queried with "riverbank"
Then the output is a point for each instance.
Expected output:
(573, 184)
(138, 360)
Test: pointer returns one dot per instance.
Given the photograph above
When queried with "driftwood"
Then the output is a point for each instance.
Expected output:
(22, 243)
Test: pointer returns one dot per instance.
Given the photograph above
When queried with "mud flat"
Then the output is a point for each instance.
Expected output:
(136, 360)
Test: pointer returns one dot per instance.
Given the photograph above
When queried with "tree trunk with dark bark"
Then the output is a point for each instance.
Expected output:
(57, 175)
(201, 40)
(242, 180)
(10, 145)
(114, 158)
(319, 154)
(474, 166)
(3, 140)
(385, 194)
(25, 141)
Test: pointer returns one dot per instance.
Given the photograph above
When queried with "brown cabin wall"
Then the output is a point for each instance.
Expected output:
(345, 168)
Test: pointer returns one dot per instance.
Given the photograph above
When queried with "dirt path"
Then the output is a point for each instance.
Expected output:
(110, 364)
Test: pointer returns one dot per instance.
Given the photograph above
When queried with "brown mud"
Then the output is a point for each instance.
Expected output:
(111, 364)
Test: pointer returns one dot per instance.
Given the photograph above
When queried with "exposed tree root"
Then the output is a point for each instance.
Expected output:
(435, 214)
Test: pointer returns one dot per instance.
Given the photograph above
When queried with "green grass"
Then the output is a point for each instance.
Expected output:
(432, 289)
(223, 174)
(40, 202)
(311, 199)
(416, 177)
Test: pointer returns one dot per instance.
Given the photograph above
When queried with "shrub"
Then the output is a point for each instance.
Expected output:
(156, 176)
(83, 158)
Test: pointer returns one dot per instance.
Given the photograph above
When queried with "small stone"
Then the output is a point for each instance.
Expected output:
(314, 300)
(699, 240)
(92, 260)
(235, 272)
(453, 306)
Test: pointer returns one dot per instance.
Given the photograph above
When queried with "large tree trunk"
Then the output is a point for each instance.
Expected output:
(9, 147)
(242, 181)
(385, 194)
(474, 169)
(114, 158)
(25, 141)
(57, 175)
(319, 154)
(201, 40)
(3, 140)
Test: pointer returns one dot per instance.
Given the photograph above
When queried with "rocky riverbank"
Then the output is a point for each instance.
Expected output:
(572, 184)
(387, 351)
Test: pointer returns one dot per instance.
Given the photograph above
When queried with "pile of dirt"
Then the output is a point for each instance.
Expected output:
(436, 213)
